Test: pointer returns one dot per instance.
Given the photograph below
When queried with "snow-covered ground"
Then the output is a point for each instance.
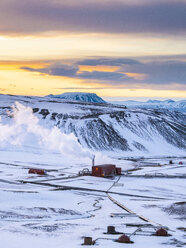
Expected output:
(39, 211)
(45, 216)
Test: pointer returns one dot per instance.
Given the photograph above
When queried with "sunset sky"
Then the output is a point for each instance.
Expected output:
(116, 48)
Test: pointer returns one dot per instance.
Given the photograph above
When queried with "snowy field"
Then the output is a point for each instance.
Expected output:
(41, 211)
(45, 216)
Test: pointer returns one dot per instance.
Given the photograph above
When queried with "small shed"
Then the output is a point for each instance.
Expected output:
(37, 171)
(105, 170)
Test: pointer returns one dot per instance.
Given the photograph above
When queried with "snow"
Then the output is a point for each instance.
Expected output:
(149, 137)
(155, 104)
(44, 215)
(79, 96)
(37, 211)
(143, 131)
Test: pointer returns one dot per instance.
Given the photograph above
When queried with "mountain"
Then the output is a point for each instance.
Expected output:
(79, 96)
(109, 128)
(155, 104)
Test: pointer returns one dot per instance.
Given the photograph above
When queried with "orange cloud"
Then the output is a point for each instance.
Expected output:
(90, 68)
(138, 76)
(15, 65)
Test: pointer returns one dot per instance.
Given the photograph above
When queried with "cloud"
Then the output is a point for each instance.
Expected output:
(108, 61)
(37, 16)
(56, 70)
(74, 72)
(162, 73)
(101, 75)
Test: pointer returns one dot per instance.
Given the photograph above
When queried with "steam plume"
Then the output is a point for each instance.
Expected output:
(25, 127)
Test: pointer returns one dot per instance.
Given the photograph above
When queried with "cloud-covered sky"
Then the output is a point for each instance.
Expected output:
(51, 45)
(34, 16)
(157, 74)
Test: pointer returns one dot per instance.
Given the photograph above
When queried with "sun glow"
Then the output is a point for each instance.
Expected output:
(40, 51)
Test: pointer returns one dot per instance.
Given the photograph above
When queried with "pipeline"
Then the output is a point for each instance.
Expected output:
(131, 212)
(127, 209)
(157, 175)
(59, 178)
(64, 187)
(9, 182)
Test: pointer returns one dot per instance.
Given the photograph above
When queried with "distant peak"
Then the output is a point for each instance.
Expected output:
(153, 101)
(79, 96)
(169, 101)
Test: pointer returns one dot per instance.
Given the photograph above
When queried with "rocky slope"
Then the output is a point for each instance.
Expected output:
(109, 127)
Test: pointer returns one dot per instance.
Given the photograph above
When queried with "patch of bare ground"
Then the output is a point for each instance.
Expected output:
(177, 208)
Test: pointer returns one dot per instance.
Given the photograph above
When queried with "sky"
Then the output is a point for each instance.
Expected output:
(117, 49)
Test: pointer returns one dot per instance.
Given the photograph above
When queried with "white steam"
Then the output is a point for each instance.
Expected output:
(25, 127)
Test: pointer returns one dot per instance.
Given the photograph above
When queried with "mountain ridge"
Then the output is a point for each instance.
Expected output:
(109, 128)
(155, 104)
(79, 96)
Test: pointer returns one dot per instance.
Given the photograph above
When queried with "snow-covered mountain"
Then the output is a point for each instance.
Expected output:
(79, 96)
(109, 128)
(155, 104)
